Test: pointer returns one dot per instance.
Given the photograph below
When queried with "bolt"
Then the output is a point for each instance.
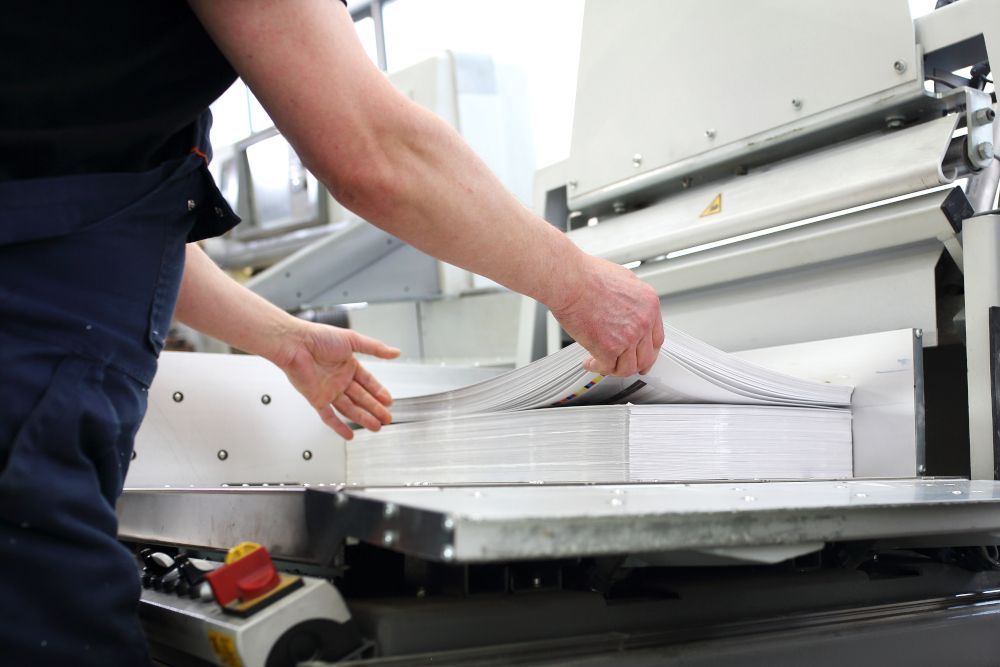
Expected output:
(710, 133)
(797, 103)
(899, 66)
(637, 160)
(983, 116)
(573, 185)
(448, 553)
(222, 454)
(894, 122)
(449, 523)
(265, 399)
(389, 511)
(919, 333)
(307, 455)
(191, 204)
(388, 537)
(985, 151)
(178, 397)
(686, 182)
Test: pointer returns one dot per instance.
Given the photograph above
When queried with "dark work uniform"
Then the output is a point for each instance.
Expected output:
(103, 153)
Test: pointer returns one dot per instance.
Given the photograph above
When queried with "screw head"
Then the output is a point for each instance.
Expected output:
(710, 133)
(222, 454)
(899, 66)
(686, 182)
(797, 103)
(637, 160)
(894, 122)
(985, 151)
(265, 399)
(573, 185)
(191, 204)
(307, 455)
(178, 397)
(448, 553)
(388, 537)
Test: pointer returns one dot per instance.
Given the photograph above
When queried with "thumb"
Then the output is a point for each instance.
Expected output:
(366, 345)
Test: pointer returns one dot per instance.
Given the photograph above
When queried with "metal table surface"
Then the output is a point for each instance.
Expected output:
(495, 523)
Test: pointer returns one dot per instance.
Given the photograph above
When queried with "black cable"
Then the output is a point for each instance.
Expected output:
(940, 80)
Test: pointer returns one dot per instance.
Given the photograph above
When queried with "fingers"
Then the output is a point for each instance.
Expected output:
(366, 402)
(330, 418)
(349, 409)
(601, 367)
(647, 354)
(372, 386)
(366, 345)
(658, 336)
(627, 363)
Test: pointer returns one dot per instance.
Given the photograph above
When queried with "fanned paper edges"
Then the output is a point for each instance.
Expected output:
(698, 414)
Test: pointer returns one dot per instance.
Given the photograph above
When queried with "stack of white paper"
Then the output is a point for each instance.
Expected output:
(704, 415)
(687, 371)
(610, 444)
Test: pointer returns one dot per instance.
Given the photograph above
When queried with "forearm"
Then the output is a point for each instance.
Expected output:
(394, 163)
(437, 195)
(215, 304)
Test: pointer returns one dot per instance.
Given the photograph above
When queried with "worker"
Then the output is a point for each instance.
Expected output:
(103, 192)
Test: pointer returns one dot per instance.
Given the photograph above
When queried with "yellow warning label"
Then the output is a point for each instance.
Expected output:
(225, 649)
(714, 207)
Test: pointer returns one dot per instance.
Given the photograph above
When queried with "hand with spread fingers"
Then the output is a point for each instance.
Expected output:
(615, 316)
(323, 368)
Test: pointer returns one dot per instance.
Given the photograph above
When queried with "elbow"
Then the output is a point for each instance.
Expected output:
(370, 187)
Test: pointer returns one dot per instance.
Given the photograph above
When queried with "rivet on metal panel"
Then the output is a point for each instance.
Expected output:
(983, 116)
(178, 397)
(895, 122)
(573, 185)
(797, 103)
(710, 133)
(448, 553)
(388, 537)
(637, 160)
(307, 455)
(390, 510)
(222, 454)
(448, 523)
(265, 399)
(899, 66)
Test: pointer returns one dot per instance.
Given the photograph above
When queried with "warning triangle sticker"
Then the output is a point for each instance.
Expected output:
(714, 207)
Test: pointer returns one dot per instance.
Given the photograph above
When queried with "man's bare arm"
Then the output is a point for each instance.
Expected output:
(403, 169)
(318, 359)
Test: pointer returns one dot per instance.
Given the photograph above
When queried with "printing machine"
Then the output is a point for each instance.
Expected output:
(788, 175)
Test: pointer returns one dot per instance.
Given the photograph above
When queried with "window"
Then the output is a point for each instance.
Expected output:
(541, 39)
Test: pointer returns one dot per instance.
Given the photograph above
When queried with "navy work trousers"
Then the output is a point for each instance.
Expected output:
(89, 272)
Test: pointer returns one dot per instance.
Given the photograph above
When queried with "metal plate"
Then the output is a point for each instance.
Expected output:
(499, 523)
(475, 524)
